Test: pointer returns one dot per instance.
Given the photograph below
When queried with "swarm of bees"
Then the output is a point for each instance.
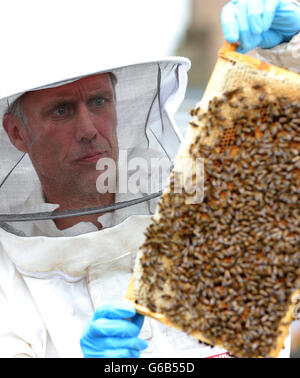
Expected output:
(226, 268)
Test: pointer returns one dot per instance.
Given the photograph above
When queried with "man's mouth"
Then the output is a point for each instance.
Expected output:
(92, 157)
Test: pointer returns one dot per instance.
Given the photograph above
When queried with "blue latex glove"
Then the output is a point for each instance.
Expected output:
(260, 23)
(112, 333)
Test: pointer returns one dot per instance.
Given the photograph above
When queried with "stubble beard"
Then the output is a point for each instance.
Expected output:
(75, 191)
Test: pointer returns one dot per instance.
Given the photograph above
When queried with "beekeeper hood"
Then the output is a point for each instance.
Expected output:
(147, 96)
(50, 50)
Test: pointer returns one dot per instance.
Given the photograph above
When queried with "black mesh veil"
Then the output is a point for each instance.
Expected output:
(147, 97)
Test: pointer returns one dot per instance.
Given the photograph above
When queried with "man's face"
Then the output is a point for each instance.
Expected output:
(70, 128)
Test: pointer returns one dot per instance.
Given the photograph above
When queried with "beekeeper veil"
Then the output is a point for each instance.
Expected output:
(147, 97)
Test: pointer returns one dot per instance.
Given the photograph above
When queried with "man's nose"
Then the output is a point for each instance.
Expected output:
(85, 128)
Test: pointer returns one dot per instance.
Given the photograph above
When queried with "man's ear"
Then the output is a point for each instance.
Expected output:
(16, 131)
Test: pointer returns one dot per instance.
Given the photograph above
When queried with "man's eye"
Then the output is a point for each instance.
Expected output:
(60, 110)
(98, 101)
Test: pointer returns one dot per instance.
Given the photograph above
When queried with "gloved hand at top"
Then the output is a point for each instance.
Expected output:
(260, 23)
(113, 333)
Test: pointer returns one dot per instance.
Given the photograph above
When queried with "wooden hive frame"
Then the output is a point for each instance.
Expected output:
(225, 78)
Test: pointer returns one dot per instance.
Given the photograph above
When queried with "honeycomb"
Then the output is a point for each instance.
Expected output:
(226, 270)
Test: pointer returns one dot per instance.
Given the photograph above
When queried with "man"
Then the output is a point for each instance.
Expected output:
(60, 283)
(65, 131)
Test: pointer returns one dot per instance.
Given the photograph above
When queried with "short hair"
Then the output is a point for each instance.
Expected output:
(16, 108)
(114, 81)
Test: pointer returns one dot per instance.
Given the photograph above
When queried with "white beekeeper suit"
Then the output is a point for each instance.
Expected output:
(56, 281)
(51, 281)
